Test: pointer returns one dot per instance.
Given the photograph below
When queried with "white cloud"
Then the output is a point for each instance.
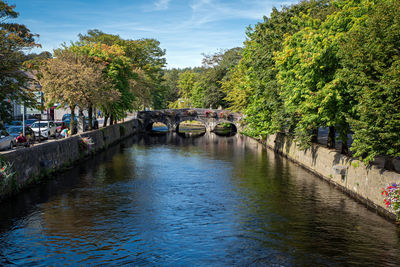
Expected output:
(161, 4)
(208, 11)
(186, 29)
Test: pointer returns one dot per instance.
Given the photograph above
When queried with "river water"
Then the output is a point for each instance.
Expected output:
(166, 200)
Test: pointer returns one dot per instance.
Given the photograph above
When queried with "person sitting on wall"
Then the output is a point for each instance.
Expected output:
(21, 139)
(64, 132)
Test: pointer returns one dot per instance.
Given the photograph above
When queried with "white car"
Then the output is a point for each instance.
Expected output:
(47, 129)
(6, 140)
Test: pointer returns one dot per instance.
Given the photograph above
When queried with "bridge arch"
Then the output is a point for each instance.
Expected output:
(181, 121)
(172, 118)
(148, 126)
(225, 127)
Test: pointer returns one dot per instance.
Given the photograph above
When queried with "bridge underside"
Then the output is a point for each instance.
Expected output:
(208, 127)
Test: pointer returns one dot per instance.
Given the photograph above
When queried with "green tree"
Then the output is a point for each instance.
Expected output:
(208, 91)
(145, 54)
(14, 40)
(186, 84)
(170, 83)
(118, 69)
(371, 71)
(307, 66)
(75, 80)
(261, 98)
(309, 71)
(236, 88)
(142, 89)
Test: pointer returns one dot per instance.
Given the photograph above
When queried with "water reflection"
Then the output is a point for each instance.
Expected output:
(169, 200)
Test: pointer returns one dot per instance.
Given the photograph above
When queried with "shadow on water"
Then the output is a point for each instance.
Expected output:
(225, 132)
(19, 206)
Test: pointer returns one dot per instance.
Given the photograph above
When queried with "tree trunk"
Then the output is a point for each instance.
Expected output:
(90, 116)
(111, 119)
(105, 120)
(81, 122)
(72, 122)
(345, 148)
(314, 135)
(331, 137)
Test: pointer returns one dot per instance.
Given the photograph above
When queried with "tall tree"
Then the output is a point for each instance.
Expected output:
(236, 88)
(257, 72)
(170, 83)
(75, 80)
(118, 70)
(370, 54)
(15, 39)
(208, 91)
(307, 67)
(186, 84)
(145, 54)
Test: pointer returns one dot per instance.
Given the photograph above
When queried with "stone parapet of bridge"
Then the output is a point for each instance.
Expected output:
(172, 118)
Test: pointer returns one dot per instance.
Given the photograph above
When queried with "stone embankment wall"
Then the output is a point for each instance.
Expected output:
(351, 175)
(33, 163)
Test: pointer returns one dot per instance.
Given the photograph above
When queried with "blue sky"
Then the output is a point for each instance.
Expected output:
(186, 29)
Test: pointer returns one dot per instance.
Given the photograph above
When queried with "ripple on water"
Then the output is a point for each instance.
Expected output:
(208, 201)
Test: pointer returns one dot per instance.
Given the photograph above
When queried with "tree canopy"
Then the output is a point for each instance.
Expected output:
(322, 63)
(203, 87)
(317, 63)
(123, 75)
(144, 54)
(15, 39)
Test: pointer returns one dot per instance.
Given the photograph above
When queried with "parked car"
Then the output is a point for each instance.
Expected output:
(6, 140)
(13, 123)
(47, 129)
(14, 131)
(66, 117)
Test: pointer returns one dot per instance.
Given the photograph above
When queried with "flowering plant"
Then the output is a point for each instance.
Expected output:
(6, 173)
(392, 197)
(210, 114)
(86, 144)
(190, 112)
(224, 114)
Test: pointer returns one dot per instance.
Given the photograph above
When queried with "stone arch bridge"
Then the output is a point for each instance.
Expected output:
(173, 117)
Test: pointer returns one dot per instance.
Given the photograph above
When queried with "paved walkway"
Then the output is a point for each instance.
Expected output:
(100, 120)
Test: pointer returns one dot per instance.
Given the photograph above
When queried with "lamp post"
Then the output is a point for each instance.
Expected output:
(41, 112)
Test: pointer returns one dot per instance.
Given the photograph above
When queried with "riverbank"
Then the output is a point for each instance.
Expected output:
(32, 165)
(364, 183)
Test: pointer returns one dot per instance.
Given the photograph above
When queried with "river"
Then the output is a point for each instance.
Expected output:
(166, 200)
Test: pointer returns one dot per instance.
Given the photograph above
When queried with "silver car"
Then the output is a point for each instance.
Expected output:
(6, 140)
